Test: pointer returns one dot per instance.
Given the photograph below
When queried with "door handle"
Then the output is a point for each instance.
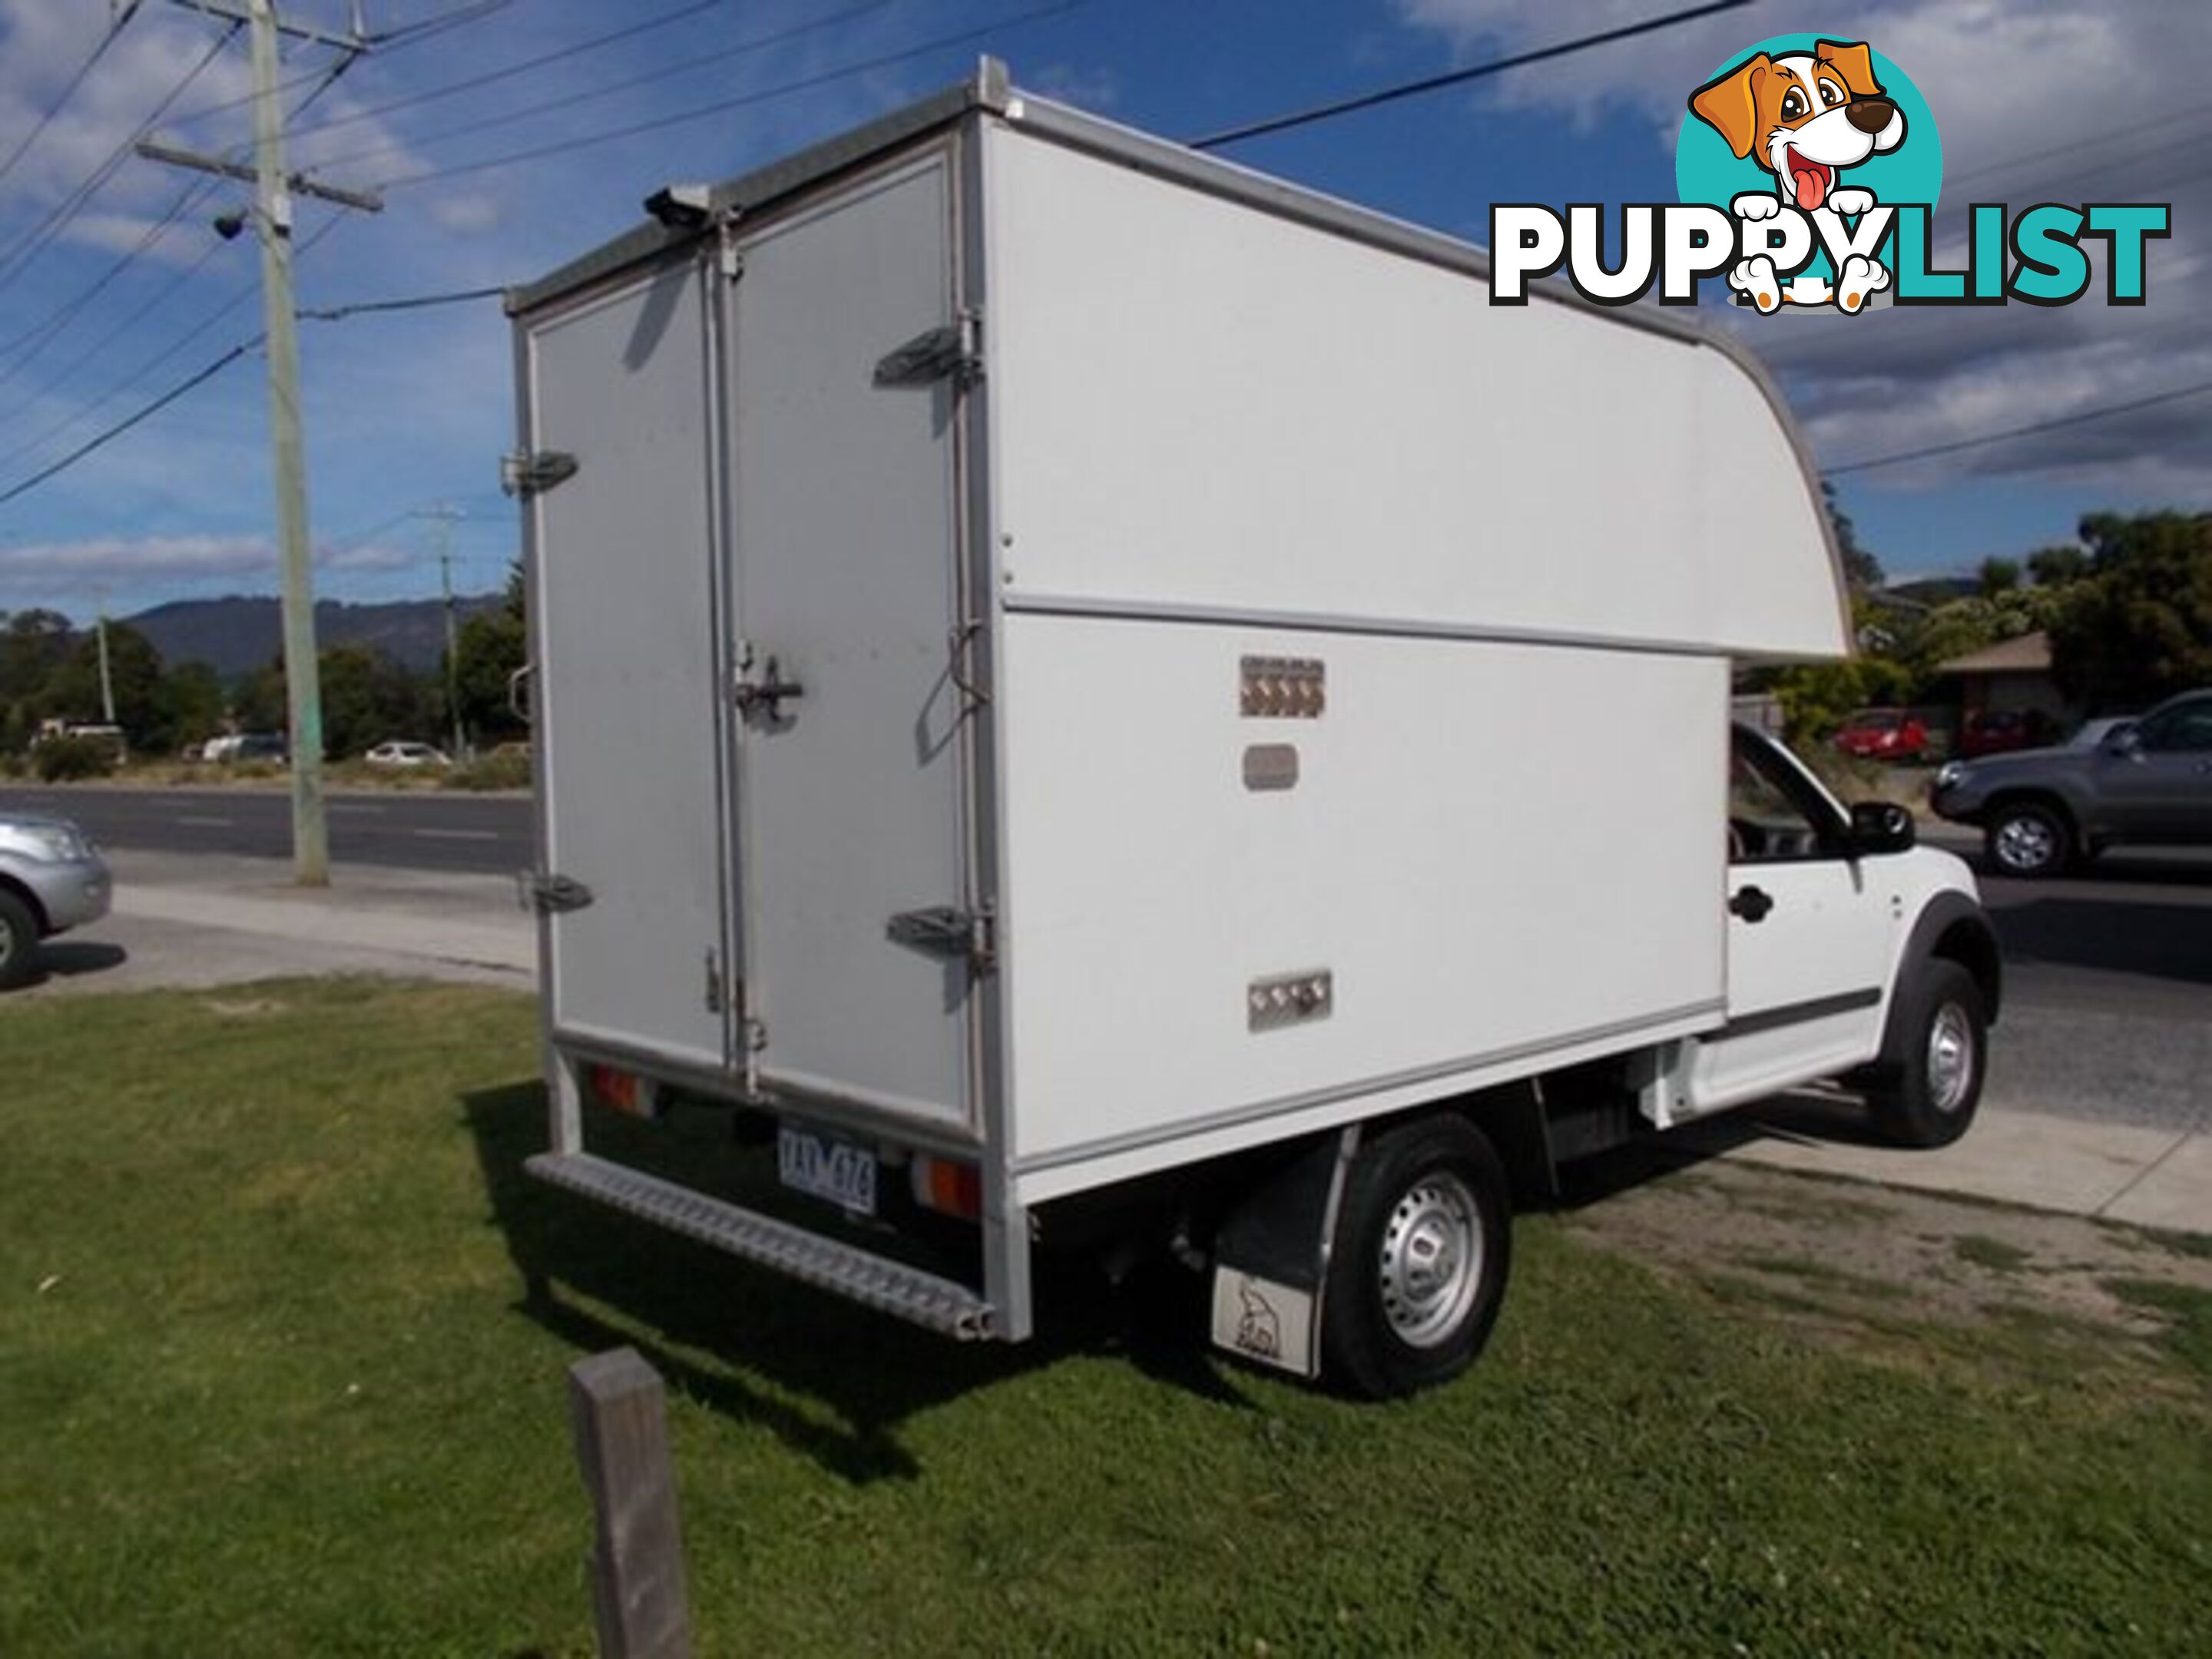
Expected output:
(1751, 903)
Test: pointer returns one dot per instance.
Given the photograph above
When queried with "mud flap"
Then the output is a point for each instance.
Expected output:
(1271, 1258)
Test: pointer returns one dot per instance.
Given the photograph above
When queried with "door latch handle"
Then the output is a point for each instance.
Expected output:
(765, 695)
(1751, 903)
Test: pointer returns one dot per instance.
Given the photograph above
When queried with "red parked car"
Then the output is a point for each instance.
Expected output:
(1883, 734)
(2001, 731)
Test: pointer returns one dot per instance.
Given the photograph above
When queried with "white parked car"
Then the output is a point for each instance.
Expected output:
(407, 754)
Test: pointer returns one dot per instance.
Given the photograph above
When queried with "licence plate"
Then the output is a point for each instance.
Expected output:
(823, 1166)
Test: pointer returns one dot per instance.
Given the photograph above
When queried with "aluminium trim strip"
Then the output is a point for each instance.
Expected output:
(1798, 1013)
(1316, 622)
(1283, 1105)
(749, 193)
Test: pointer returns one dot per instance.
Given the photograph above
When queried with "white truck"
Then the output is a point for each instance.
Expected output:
(1088, 696)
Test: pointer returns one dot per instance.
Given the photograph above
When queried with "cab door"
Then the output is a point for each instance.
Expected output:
(1811, 933)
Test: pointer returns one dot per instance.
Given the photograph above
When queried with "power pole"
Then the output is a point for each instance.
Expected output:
(106, 683)
(274, 191)
(444, 514)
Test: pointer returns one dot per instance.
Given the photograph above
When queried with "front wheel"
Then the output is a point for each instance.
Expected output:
(1419, 1259)
(2030, 840)
(1933, 1099)
(19, 941)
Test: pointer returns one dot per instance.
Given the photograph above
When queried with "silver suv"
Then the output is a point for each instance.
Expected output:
(51, 878)
(2045, 810)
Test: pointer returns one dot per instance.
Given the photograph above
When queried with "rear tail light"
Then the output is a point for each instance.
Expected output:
(621, 1092)
(948, 1187)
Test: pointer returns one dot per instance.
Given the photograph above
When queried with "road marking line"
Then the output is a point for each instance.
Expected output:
(458, 835)
(211, 823)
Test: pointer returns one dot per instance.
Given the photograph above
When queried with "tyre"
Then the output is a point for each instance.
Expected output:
(1944, 1054)
(2029, 840)
(19, 941)
(1419, 1259)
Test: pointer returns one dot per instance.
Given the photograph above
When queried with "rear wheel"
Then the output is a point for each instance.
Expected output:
(2030, 839)
(18, 940)
(1421, 1253)
(1933, 1098)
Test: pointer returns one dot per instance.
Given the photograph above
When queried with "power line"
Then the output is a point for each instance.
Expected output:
(602, 90)
(744, 100)
(2077, 418)
(115, 27)
(18, 255)
(49, 328)
(1459, 77)
(238, 298)
(200, 376)
(413, 35)
(121, 426)
(492, 77)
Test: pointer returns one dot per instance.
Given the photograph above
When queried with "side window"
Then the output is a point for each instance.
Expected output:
(2186, 730)
(1769, 821)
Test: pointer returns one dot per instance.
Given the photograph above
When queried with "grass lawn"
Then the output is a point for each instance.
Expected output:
(283, 1334)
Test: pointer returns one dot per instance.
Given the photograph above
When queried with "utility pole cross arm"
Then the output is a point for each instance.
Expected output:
(299, 183)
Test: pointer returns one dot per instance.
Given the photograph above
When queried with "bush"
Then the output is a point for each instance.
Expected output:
(502, 769)
(61, 759)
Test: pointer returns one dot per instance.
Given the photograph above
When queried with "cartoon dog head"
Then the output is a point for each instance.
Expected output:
(1806, 115)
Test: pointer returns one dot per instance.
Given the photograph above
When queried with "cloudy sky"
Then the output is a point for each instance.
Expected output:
(492, 140)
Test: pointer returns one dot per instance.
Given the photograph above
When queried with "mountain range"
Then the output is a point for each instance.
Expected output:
(238, 634)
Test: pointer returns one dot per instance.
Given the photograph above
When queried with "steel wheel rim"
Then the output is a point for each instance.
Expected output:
(2025, 843)
(1950, 1057)
(7, 942)
(1430, 1259)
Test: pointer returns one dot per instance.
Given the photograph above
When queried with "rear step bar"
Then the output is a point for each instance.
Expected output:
(888, 1286)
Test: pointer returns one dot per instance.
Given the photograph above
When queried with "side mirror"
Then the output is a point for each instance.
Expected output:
(1881, 826)
(2123, 740)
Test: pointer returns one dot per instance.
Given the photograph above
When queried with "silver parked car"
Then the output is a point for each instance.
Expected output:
(51, 878)
(2043, 810)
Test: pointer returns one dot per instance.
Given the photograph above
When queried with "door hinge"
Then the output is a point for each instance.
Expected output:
(953, 350)
(526, 472)
(550, 894)
(713, 998)
(942, 930)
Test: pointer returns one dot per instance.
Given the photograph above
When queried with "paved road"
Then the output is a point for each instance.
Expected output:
(438, 831)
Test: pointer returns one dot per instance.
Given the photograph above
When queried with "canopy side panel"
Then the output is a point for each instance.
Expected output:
(1205, 405)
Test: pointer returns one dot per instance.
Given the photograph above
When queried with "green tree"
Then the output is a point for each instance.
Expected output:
(257, 702)
(491, 647)
(34, 644)
(2059, 566)
(1863, 571)
(368, 697)
(1998, 577)
(134, 672)
(2140, 626)
(190, 706)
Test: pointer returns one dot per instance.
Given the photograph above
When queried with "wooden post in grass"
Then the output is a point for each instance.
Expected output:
(620, 1417)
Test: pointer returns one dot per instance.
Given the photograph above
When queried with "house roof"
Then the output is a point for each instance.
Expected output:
(2028, 653)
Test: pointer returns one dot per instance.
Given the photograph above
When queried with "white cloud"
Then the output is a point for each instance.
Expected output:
(181, 243)
(67, 565)
(466, 213)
